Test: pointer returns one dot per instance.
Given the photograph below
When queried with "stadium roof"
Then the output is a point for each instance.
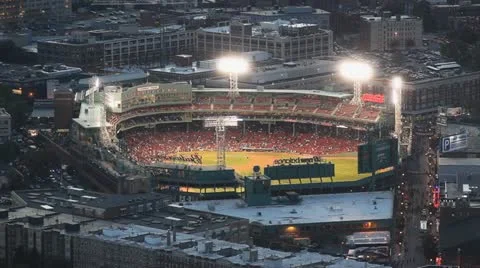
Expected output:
(328, 208)
(323, 93)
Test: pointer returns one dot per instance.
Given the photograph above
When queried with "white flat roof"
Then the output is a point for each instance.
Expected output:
(313, 209)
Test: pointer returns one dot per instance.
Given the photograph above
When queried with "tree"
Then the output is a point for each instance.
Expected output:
(17, 106)
(9, 151)
(463, 33)
(10, 53)
(423, 10)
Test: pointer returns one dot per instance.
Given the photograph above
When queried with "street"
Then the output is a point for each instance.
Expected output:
(417, 194)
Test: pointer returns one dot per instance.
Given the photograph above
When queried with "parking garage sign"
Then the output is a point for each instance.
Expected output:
(454, 143)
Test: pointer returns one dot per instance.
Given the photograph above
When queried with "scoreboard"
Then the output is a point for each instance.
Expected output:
(377, 155)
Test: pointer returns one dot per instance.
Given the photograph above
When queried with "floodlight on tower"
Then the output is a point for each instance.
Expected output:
(233, 66)
(358, 72)
(220, 123)
(94, 87)
(397, 84)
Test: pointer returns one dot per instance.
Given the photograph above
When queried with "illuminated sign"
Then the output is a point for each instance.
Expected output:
(315, 159)
(194, 158)
(454, 143)
(375, 98)
(148, 88)
(436, 197)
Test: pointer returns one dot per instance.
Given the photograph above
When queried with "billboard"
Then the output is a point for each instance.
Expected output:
(375, 98)
(453, 143)
(377, 155)
(364, 158)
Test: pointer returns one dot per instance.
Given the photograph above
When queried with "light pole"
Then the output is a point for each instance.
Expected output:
(397, 84)
(359, 73)
(233, 66)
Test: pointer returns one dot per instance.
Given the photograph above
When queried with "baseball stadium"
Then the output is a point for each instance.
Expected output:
(173, 129)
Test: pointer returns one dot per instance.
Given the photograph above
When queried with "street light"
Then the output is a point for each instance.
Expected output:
(233, 66)
(358, 72)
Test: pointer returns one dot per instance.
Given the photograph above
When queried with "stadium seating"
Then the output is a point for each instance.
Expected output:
(221, 106)
(222, 99)
(346, 110)
(266, 100)
(262, 107)
(148, 146)
(243, 100)
(245, 107)
(368, 113)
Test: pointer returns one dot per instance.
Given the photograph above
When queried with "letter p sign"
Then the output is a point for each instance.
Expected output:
(446, 145)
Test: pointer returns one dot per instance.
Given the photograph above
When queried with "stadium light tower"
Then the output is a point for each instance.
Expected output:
(94, 87)
(358, 72)
(220, 123)
(397, 84)
(233, 66)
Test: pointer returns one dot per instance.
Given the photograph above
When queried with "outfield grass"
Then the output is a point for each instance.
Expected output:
(243, 162)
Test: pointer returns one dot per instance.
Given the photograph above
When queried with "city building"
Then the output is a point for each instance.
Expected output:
(96, 50)
(443, 12)
(287, 221)
(459, 197)
(42, 235)
(63, 104)
(85, 203)
(439, 83)
(299, 14)
(32, 81)
(120, 78)
(10, 11)
(196, 74)
(302, 74)
(168, 4)
(245, 37)
(391, 33)
(5, 125)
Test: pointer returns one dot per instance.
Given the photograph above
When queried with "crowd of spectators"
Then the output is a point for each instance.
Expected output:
(150, 146)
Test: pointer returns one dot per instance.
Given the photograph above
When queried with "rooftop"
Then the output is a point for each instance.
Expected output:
(24, 212)
(116, 78)
(362, 206)
(22, 73)
(459, 178)
(196, 246)
(181, 70)
(290, 10)
(78, 196)
(371, 18)
(414, 65)
(259, 31)
(302, 69)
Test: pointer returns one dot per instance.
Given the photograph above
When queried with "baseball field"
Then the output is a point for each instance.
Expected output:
(243, 162)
